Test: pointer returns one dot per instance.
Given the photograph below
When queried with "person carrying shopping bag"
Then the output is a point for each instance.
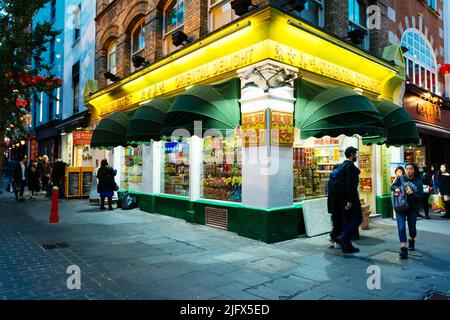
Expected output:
(408, 194)
(444, 182)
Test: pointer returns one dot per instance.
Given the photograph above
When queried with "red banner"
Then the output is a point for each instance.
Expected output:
(33, 148)
(82, 137)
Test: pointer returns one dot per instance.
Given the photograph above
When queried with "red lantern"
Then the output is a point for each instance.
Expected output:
(9, 74)
(24, 103)
(18, 103)
(58, 81)
(445, 69)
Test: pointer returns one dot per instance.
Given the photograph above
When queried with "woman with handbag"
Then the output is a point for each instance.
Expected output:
(444, 182)
(427, 190)
(408, 193)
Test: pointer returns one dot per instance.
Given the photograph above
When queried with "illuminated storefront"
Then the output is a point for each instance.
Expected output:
(321, 99)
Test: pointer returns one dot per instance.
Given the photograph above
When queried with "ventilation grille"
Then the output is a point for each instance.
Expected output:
(217, 218)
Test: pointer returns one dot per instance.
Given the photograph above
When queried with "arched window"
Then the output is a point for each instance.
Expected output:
(138, 37)
(357, 17)
(173, 21)
(421, 63)
(111, 59)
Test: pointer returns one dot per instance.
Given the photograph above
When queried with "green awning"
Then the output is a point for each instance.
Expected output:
(147, 122)
(111, 131)
(217, 106)
(332, 111)
(400, 126)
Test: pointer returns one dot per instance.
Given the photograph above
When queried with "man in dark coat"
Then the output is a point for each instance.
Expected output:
(352, 216)
(20, 178)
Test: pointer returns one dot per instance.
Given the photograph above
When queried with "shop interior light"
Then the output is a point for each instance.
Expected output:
(359, 91)
(63, 133)
(22, 142)
(112, 77)
(79, 128)
(180, 38)
(17, 144)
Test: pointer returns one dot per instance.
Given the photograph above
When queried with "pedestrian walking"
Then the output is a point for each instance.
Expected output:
(106, 184)
(425, 177)
(20, 178)
(411, 185)
(352, 214)
(444, 182)
(33, 179)
(435, 171)
(46, 173)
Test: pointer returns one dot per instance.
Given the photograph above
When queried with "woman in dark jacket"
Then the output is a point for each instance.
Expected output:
(413, 187)
(444, 182)
(33, 179)
(106, 184)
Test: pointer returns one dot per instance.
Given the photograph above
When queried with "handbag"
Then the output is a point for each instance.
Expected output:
(400, 201)
(10, 187)
(447, 197)
(426, 189)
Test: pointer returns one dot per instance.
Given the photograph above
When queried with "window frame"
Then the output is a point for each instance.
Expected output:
(77, 24)
(431, 80)
(211, 7)
(353, 24)
(76, 88)
(321, 17)
(167, 34)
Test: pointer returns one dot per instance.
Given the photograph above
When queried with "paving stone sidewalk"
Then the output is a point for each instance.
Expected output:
(138, 255)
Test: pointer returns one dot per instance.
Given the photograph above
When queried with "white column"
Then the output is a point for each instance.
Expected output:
(195, 161)
(267, 171)
(378, 168)
(118, 164)
(156, 172)
(147, 168)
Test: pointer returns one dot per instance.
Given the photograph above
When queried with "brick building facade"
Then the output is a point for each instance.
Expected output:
(116, 19)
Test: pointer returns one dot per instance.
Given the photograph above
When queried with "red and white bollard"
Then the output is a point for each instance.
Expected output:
(54, 215)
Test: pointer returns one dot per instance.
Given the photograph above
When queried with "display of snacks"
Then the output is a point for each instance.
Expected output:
(176, 168)
(222, 169)
(312, 168)
(132, 170)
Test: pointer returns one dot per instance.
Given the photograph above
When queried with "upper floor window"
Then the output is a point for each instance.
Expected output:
(111, 59)
(138, 37)
(76, 86)
(173, 20)
(432, 4)
(220, 13)
(76, 21)
(358, 20)
(314, 12)
(421, 63)
(53, 10)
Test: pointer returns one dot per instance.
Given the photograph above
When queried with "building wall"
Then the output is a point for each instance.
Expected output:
(41, 16)
(82, 50)
(418, 15)
(116, 19)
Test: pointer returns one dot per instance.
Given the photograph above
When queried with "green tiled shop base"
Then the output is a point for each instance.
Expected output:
(264, 225)
(384, 206)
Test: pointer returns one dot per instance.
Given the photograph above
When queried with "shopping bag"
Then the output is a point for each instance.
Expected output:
(10, 187)
(438, 203)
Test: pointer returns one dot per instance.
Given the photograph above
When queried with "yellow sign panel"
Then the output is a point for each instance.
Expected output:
(254, 128)
(281, 128)
(314, 64)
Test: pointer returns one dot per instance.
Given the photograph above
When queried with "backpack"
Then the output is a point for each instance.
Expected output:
(336, 184)
(128, 201)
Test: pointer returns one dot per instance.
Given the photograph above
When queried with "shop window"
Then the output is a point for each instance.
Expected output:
(220, 14)
(420, 59)
(314, 159)
(50, 109)
(173, 21)
(52, 51)
(314, 12)
(358, 20)
(222, 169)
(175, 178)
(132, 174)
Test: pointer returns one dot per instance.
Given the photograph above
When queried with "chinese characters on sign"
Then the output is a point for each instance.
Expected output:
(254, 128)
(33, 148)
(82, 137)
(281, 128)
(366, 184)
(428, 110)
